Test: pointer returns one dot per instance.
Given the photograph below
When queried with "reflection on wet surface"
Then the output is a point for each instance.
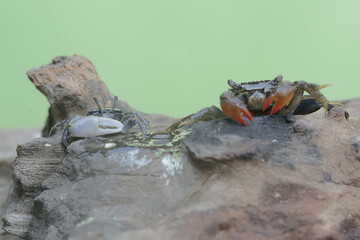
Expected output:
(125, 153)
(132, 139)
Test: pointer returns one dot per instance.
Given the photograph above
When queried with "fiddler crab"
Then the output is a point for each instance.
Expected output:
(101, 122)
(270, 97)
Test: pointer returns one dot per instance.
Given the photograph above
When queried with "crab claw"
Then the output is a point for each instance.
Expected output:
(90, 126)
(281, 97)
(234, 107)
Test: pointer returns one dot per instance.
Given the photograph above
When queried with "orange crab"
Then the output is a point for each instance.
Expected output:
(268, 97)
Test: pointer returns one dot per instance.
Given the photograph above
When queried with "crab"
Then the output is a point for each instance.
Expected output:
(87, 126)
(128, 119)
(100, 122)
(271, 97)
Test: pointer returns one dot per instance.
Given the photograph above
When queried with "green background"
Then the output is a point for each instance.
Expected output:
(174, 57)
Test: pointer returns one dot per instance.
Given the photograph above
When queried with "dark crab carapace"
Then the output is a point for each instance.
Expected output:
(270, 97)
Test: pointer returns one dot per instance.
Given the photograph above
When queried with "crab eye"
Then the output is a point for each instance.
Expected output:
(234, 84)
(279, 78)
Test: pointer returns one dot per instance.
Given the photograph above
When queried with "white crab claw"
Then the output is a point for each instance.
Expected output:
(90, 126)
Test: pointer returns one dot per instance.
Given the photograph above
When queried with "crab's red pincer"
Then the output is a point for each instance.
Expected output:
(234, 108)
(282, 96)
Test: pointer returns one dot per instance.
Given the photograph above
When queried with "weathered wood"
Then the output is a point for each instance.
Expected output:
(70, 85)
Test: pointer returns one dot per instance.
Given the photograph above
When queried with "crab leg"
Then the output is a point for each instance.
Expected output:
(314, 91)
(57, 125)
(135, 118)
(64, 135)
(234, 107)
(282, 96)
